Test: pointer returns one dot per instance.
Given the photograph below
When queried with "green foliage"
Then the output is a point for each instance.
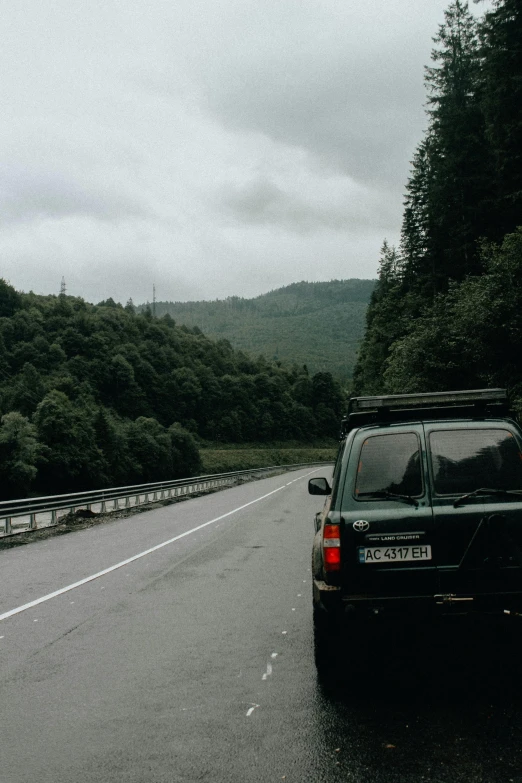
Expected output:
(384, 323)
(185, 456)
(73, 462)
(317, 324)
(228, 460)
(10, 300)
(501, 73)
(473, 336)
(116, 397)
(445, 314)
(20, 453)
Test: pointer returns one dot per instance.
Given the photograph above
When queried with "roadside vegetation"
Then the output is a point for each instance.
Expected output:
(99, 395)
(446, 310)
(223, 458)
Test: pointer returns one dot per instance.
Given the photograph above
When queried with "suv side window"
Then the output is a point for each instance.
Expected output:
(390, 463)
(465, 460)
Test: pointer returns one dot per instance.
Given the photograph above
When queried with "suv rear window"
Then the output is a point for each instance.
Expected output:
(465, 460)
(390, 463)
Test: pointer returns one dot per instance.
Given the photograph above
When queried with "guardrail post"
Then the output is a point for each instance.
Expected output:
(127, 501)
(8, 528)
(32, 521)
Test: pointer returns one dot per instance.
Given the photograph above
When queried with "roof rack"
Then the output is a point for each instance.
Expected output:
(407, 407)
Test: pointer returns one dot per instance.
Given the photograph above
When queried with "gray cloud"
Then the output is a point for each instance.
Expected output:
(30, 194)
(212, 148)
(265, 203)
(334, 78)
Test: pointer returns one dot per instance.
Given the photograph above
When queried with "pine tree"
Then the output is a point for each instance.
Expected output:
(455, 160)
(501, 50)
(416, 235)
(451, 318)
(383, 323)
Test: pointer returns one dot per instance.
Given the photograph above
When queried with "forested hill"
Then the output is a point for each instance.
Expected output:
(317, 324)
(446, 312)
(99, 395)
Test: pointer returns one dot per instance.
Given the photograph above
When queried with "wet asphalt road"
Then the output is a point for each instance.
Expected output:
(195, 662)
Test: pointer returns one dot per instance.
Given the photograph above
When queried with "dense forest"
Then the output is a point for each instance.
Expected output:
(99, 395)
(446, 312)
(317, 324)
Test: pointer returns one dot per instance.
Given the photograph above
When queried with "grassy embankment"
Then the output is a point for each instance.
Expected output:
(223, 457)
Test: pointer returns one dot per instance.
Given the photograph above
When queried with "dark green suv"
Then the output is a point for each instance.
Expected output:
(425, 513)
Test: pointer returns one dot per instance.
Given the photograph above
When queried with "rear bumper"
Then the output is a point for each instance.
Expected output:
(332, 599)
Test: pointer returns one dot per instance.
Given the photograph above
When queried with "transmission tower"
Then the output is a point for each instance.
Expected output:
(154, 300)
(63, 288)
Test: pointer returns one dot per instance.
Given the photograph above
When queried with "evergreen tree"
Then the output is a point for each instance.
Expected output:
(472, 337)
(384, 323)
(417, 229)
(465, 186)
(453, 162)
(501, 51)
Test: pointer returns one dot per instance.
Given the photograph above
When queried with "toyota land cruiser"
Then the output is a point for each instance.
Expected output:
(424, 515)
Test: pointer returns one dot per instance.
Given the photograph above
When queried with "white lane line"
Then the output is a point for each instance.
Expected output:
(251, 710)
(268, 671)
(274, 655)
(87, 579)
(300, 478)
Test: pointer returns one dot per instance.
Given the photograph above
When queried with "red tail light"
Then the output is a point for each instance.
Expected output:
(332, 547)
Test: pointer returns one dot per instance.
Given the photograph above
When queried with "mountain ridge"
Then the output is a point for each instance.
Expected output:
(317, 324)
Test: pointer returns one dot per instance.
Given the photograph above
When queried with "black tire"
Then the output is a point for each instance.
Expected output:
(327, 643)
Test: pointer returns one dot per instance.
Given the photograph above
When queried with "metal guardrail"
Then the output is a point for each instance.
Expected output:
(20, 516)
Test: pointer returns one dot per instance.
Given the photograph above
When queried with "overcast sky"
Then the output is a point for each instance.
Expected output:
(212, 147)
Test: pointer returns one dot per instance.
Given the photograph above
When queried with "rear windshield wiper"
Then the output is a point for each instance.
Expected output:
(485, 491)
(385, 495)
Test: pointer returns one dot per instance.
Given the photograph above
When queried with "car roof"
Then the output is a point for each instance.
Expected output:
(441, 406)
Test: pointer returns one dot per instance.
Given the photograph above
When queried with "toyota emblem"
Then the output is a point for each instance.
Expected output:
(361, 525)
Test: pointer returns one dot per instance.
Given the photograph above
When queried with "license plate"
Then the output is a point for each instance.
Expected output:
(393, 554)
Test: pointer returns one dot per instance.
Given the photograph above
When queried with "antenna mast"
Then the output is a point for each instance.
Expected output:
(154, 300)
